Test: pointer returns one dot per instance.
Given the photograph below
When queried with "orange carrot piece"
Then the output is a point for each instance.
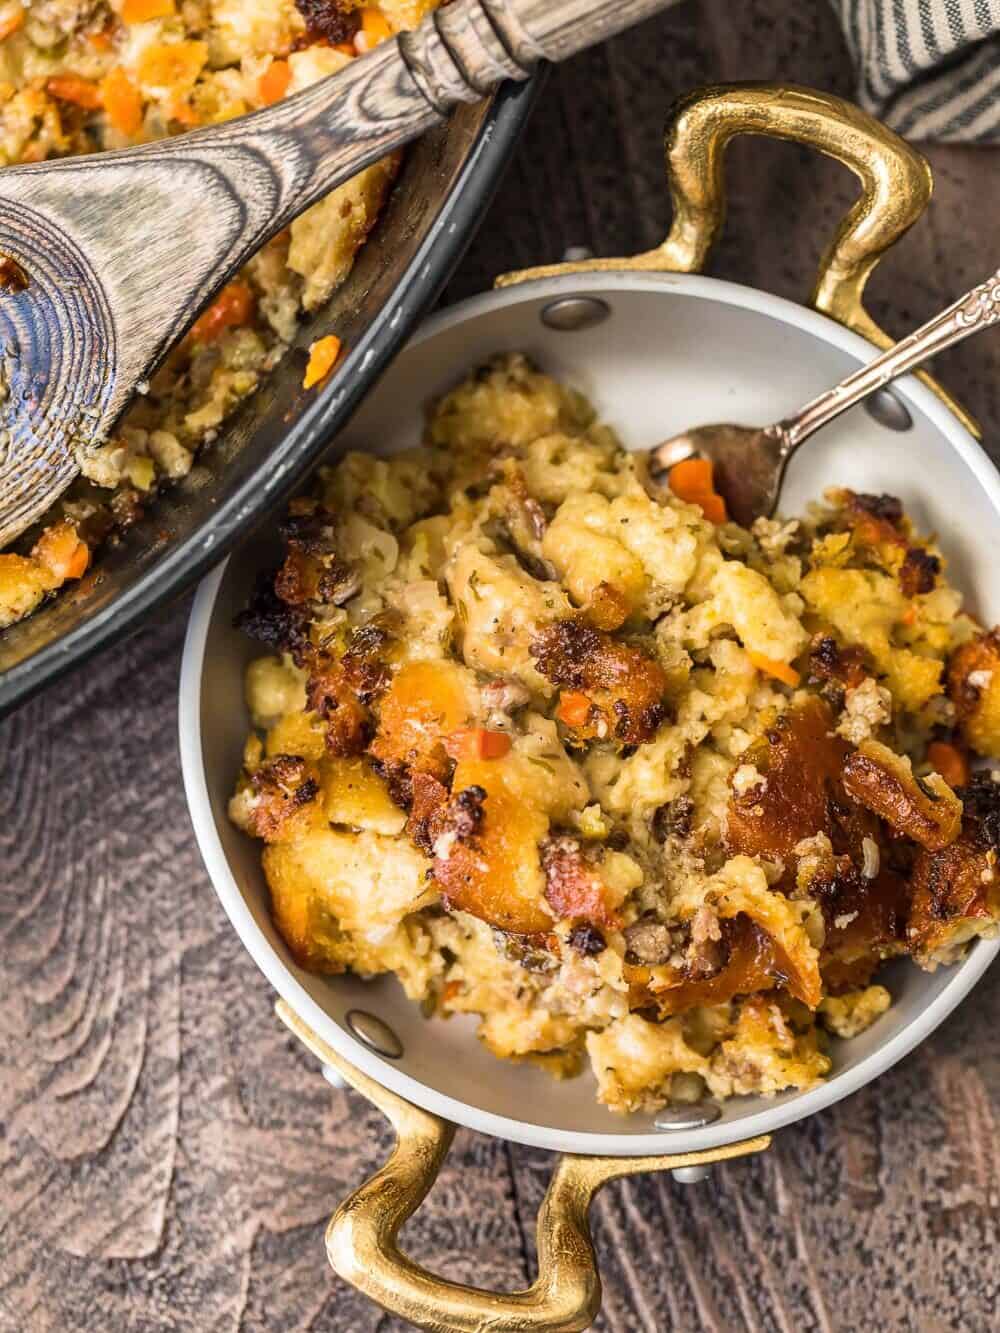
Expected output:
(101, 41)
(122, 102)
(691, 477)
(713, 507)
(141, 11)
(477, 743)
(62, 552)
(184, 113)
(346, 48)
(692, 480)
(11, 24)
(274, 82)
(574, 708)
(322, 358)
(72, 88)
(949, 761)
(231, 309)
(779, 670)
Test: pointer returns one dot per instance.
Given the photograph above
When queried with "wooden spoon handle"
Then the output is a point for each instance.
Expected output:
(123, 249)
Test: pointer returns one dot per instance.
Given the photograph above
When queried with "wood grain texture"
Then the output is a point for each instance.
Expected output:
(169, 1156)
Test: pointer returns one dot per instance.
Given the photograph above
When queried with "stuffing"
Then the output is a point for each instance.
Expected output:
(855, 1011)
(636, 791)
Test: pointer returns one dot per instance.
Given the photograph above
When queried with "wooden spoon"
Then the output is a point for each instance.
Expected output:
(106, 260)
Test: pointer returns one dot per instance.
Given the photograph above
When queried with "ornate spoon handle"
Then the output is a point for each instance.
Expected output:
(117, 252)
(976, 310)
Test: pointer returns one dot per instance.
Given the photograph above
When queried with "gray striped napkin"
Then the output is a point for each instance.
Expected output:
(928, 68)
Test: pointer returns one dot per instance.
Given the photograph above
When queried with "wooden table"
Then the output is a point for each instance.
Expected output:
(169, 1156)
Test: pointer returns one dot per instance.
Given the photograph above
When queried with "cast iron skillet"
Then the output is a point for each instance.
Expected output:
(266, 449)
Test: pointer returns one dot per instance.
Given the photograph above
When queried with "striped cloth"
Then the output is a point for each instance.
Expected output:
(928, 68)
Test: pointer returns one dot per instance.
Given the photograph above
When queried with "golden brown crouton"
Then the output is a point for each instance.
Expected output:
(974, 689)
(956, 890)
(799, 760)
(625, 687)
(493, 871)
(926, 809)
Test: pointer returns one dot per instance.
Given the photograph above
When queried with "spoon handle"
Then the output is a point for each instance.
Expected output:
(977, 309)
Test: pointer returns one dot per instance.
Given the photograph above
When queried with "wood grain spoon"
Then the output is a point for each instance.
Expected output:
(106, 260)
(750, 462)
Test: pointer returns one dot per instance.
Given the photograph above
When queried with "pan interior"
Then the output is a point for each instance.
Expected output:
(674, 352)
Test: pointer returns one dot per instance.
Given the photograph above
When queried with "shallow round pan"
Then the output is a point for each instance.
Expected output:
(646, 371)
(445, 186)
(671, 350)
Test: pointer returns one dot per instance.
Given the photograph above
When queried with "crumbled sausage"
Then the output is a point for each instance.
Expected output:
(573, 889)
(831, 661)
(587, 940)
(438, 821)
(327, 21)
(279, 789)
(648, 941)
(673, 819)
(271, 621)
(919, 572)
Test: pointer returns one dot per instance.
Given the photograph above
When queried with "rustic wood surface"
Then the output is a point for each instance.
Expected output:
(169, 1155)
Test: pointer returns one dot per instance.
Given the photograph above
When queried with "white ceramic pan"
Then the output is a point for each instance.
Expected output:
(655, 352)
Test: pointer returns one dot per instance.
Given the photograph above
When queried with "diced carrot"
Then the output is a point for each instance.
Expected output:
(101, 41)
(713, 507)
(574, 708)
(274, 82)
(346, 49)
(477, 743)
(183, 112)
(72, 88)
(62, 552)
(322, 358)
(375, 26)
(779, 670)
(122, 102)
(142, 11)
(692, 480)
(691, 477)
(231, 309)
(949, 761)
(909, 615)
(11, 24)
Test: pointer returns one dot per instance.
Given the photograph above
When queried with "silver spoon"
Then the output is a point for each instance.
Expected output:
(106, 260)
(750, 462)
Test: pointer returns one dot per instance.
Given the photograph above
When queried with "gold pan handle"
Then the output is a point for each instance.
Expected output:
(362, 1238)
(896, 186)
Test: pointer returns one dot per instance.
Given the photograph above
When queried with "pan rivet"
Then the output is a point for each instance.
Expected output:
(889, 410)
(570, 314)
(691, 1175)
(374, 1033)
(685, 1115)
